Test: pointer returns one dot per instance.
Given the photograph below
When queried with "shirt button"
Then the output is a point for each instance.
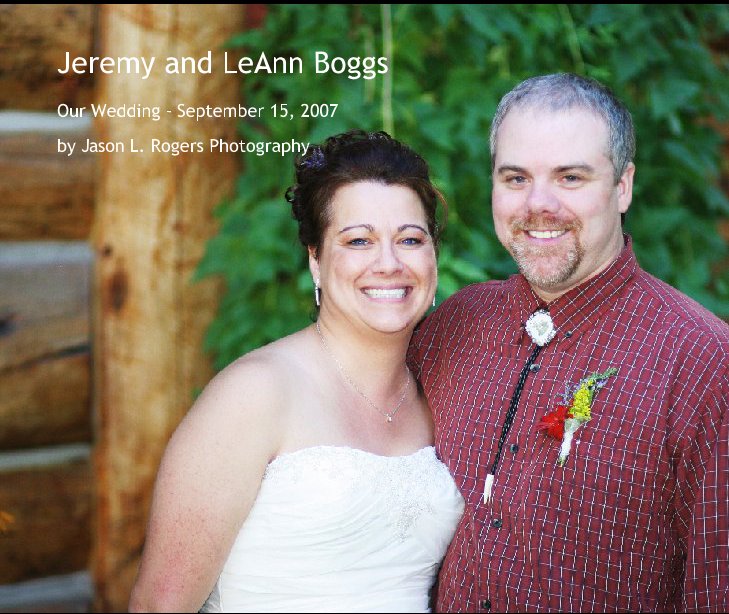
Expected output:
(514, 448)
(496, 523)
(485, 604)
(534, 368)
(568, 334)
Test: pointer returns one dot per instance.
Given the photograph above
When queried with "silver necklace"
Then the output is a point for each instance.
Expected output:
(388, 416)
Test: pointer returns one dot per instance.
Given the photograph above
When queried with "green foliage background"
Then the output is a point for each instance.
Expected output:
(450, 65)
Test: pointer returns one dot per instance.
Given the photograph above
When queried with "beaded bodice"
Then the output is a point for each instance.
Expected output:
(340, 529)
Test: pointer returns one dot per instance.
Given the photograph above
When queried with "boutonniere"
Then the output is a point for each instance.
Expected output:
(540, 327)
(563, 422)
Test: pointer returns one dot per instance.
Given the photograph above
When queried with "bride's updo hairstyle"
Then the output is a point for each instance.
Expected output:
(352, 157)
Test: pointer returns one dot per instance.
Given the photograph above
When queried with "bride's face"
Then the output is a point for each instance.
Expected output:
(377, 264)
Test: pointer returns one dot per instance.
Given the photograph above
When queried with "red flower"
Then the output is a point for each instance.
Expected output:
(553, 422)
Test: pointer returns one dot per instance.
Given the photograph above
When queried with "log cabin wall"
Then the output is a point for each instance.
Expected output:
(100, 324)
(46, 212)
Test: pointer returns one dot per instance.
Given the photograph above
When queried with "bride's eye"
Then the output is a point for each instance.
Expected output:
(412, 241)
(357, 242)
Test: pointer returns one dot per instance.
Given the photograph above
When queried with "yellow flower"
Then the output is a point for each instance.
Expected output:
(581, 402)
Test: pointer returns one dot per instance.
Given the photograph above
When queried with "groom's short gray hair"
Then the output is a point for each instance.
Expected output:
(560, 91)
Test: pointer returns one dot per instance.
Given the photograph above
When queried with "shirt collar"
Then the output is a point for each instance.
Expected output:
(582, 304)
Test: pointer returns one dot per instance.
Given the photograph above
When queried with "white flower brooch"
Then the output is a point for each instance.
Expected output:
(540, 327)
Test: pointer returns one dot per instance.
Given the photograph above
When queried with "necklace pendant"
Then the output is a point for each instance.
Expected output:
(370, 402)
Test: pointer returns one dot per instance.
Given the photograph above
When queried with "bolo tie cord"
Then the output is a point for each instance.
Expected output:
(508, 421)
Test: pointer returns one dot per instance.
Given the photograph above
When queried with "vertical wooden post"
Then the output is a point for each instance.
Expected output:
(154, 213)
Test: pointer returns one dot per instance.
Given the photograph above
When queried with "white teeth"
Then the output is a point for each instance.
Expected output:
(380, 293)
(545, 234)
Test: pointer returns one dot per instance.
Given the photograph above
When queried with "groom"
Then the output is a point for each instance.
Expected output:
(580, 405)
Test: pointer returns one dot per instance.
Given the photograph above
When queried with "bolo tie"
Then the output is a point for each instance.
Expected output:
(541, 329)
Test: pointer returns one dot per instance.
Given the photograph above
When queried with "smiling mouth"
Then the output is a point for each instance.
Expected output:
(389, 293)
(545, 234)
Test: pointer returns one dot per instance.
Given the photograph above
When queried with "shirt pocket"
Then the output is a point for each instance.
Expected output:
(610, 499)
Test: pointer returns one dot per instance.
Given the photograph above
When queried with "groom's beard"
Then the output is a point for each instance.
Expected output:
(551, 263)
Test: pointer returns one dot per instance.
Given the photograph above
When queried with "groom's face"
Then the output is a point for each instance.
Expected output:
(555, 202)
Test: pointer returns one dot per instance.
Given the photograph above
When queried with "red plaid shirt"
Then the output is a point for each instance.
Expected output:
(638, 517)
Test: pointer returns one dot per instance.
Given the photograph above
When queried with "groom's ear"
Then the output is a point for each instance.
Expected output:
(625, 188)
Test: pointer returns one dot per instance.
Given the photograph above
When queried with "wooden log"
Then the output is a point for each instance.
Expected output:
(34, 40)
(44, 194)
(47, 498)
(154, 214)
(44, 303)
(66, 593)
(46, 403)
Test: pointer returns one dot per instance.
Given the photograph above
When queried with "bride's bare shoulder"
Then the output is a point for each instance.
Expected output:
(259, 380)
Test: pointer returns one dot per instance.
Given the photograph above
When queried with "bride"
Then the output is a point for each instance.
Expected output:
(304, 479)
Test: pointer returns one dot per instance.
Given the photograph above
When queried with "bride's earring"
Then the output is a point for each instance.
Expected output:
(317, 293)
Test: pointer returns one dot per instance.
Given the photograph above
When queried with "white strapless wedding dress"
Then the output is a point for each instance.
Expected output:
(337, 529)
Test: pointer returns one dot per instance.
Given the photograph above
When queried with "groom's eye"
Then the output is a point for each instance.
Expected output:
(571, 179)
(412, 241)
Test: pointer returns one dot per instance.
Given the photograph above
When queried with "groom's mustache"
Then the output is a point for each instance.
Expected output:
(541, 221)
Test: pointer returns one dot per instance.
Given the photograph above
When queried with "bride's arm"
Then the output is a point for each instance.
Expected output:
(207, 481)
